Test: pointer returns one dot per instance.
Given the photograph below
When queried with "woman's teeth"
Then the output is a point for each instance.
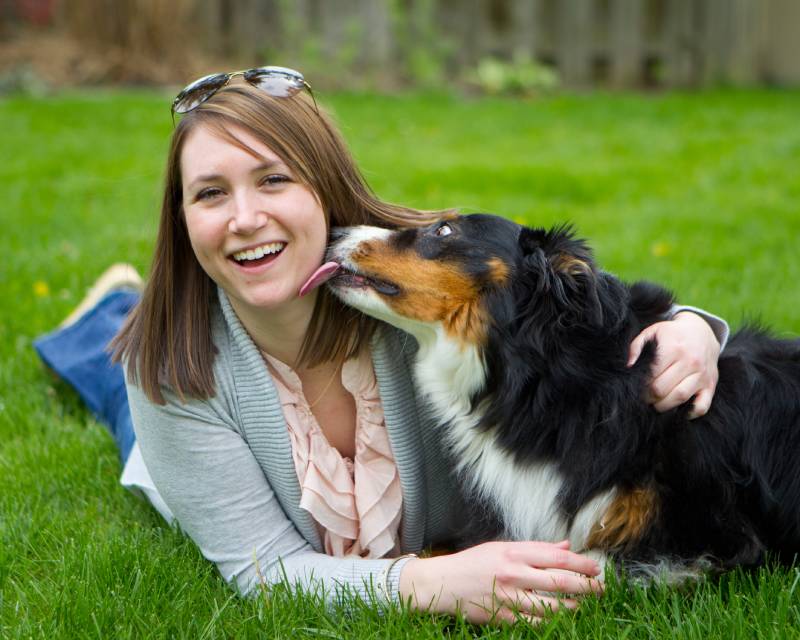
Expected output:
(259, 252)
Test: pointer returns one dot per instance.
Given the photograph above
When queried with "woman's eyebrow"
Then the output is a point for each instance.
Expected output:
(268, 164)
(211, 177)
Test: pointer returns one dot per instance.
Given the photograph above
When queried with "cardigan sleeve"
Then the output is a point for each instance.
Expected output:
(207, 476)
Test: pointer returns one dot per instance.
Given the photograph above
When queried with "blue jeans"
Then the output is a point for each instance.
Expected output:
(79, 354)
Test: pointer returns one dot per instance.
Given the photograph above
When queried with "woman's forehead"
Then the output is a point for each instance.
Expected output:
(209, 147)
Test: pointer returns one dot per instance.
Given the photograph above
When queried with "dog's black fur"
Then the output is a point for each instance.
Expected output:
(728, 483)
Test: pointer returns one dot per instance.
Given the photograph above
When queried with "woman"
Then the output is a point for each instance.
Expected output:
(283, 431)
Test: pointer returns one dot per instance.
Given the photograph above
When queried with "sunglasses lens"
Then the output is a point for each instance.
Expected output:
(198, 92)
(276, 82)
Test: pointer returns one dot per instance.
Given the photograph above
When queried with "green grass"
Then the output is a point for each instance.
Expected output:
(699, 192)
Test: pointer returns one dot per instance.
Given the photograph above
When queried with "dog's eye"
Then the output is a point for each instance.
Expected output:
(444, 230)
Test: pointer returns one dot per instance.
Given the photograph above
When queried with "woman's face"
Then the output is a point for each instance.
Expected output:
(256, 231)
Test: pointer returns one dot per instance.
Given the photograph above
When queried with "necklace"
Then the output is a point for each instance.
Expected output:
(325, 390)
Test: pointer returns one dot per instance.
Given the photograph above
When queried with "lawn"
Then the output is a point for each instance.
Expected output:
(700, 192)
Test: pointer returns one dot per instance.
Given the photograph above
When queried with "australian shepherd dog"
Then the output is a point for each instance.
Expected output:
(523, 347)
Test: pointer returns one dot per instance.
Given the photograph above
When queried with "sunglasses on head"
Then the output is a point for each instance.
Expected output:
(279, 82)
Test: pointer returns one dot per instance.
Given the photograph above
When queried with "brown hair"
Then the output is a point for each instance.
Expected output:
(167, 338)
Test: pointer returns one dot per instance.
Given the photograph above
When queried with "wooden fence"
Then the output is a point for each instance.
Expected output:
(624, 43)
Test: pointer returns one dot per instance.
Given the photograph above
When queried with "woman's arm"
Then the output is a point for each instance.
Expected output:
(208, 477)
(685, 367)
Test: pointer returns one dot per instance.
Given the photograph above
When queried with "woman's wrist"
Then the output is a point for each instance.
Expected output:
(690, 317)
(717, 325)
(699, 324)
(414, 584)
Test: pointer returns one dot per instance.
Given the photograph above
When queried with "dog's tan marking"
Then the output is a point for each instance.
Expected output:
(566, 263)
(468, 323)
(626, 520)
(431, 291)
(498, 271)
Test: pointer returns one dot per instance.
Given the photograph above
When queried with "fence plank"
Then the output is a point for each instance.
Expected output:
(574, 38)
(681, 52)
(458, 22)
(626, 42)
(297, 23)
(377, 41)
(206, 19)
(525, 27)
(782, 42)
(745, 39)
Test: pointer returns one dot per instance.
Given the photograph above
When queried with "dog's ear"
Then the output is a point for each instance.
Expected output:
(536, 274)
(562, 266)
(531, 239)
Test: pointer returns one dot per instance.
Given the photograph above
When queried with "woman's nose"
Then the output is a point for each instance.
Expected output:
(247, 216)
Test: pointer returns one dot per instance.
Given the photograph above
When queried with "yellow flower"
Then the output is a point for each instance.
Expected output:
(40, 289)
(660, 249)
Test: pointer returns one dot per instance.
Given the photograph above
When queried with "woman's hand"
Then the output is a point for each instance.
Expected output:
(685, 364)
(496, 581)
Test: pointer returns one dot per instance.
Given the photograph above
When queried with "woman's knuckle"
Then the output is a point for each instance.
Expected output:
(680, 396)
(509, 554)
(679, 348)
(505, 569)
(695, 362)
(561, 559)
(506, 575)
(560, 583)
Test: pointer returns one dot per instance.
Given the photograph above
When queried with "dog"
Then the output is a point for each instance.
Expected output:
(523, 347)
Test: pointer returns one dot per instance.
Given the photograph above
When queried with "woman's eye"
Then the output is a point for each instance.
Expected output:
(208, 193)
(444, 230)
(274, 179)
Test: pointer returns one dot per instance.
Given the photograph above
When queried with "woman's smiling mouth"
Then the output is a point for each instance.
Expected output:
(259, 255)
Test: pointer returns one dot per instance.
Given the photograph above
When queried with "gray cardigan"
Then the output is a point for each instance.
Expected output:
(224, 468)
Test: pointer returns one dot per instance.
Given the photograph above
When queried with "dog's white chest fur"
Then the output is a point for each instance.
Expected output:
(525, 495)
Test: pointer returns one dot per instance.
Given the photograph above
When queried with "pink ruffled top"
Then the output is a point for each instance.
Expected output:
(357, 504)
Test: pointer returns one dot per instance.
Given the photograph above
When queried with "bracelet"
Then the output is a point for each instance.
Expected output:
(385, 582)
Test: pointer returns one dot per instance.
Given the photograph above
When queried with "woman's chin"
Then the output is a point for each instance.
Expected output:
(273, 299)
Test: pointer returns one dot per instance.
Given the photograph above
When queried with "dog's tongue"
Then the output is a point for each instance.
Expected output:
(323, 274)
